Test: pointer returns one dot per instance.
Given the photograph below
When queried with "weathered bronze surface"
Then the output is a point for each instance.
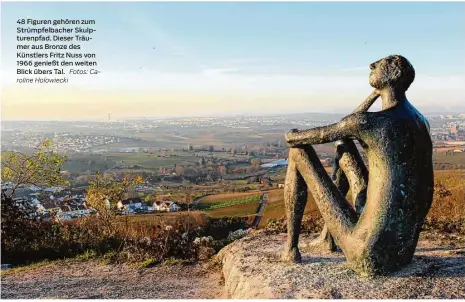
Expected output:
(378, 233)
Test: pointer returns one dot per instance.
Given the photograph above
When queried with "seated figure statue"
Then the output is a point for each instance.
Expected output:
(379, 232)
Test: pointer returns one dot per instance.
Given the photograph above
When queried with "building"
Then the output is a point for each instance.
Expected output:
(133, 203)
(276, 163)
(165, 206)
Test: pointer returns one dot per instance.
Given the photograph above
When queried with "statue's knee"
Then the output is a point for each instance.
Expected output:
(296, 153)
(293, 153)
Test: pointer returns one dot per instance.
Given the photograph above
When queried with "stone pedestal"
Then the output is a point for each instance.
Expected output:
(252, 269)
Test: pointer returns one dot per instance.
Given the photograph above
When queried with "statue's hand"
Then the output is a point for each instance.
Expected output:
(291, 137)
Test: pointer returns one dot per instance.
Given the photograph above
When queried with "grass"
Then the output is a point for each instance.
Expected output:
(144, 225)
(152, 161)
(83, 163)
(231, 202)
(239, 210)
(275, 208)
(87, 255)
(223, 197)
(448, 207)
(443, 160)
(148, 263)
(27, 267)
(174, 261)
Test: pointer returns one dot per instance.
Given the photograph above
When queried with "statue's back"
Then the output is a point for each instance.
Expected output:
(400, 185)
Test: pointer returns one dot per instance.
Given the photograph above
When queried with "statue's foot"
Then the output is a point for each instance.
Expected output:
(323, 244)
(292, 255)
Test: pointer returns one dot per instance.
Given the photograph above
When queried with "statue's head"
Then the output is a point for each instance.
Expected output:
(394, 71)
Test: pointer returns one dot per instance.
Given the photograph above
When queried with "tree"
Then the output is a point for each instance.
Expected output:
(41, 169)
(148, 199)
(104, 194)
(211, 148)
(180, 170)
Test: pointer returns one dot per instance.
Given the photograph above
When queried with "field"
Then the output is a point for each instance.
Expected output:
(215, 206)
(240, 210)
(137, 161)
(275, 208)
(447, 161)
(448, 206)
(223, 197)
(230, 205)
(231, 202)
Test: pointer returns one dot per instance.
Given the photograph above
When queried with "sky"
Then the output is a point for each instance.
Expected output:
(223, 58)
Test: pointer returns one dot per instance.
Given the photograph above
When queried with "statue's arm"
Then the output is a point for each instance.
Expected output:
(348, 127)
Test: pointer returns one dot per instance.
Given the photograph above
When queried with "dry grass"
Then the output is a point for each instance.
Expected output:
(145, 225)
(275, 208)
(239, 210)
(447, 211)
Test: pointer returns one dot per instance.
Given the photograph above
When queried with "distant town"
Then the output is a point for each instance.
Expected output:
(181, 159)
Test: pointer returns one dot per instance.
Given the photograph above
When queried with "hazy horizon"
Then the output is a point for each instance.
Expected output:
(456, 110)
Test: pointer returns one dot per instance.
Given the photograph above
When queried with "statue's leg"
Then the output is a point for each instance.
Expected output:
(295, 198)
(349, 171)
(325, 241)
(356, 173)
(337, 213)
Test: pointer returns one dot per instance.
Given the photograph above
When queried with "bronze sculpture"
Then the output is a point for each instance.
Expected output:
(379, 232)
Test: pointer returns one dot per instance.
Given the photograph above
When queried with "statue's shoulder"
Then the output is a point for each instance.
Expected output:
(415, 115)
(369, 119)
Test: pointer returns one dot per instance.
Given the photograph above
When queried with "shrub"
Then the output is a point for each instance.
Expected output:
(447, 213)
(310, 224)
(219, 228)
(26, 240)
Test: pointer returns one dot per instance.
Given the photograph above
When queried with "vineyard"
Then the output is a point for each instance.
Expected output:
(231, 202)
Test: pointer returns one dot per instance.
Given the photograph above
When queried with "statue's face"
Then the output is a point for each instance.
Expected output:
(378, 77)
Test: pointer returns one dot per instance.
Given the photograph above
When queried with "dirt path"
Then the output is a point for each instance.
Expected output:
(76, 279)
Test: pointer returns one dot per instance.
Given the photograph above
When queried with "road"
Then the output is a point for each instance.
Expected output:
(259, 215)
(113, 167)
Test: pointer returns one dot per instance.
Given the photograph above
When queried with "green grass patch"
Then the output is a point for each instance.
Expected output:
(22, 268)
(275, 208)
(87, 255)
(231, 202)
(235, 211)
(174, 261)
(218, 198)
(148, 263)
